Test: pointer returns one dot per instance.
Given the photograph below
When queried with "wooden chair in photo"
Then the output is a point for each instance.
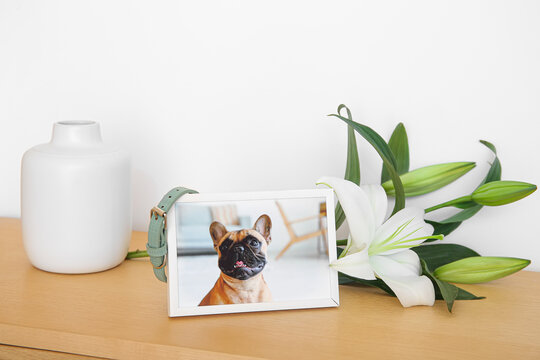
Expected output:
(294, 238)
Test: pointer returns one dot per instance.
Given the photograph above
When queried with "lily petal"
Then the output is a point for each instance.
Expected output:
(357, 208)
(356, 265)
(410, 289)
(388, 265)
(400, 231)
(378, 201)
(408, 259)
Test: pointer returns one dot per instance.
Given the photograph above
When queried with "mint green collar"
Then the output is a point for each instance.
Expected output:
(157, 230)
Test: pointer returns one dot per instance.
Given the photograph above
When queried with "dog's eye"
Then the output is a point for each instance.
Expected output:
(225, 245)
(253, 243)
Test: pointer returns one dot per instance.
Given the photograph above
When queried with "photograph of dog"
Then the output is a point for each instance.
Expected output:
(239, 255)
(241, 260)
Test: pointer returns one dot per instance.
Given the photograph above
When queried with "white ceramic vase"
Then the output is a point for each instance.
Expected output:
(76, 201)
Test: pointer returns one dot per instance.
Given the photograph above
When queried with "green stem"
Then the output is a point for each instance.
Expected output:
(137, 254)
(463, 199)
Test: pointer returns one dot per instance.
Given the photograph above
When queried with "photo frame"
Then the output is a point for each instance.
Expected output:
(251, 251)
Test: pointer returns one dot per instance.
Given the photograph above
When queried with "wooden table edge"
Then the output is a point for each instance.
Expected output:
(95, 346)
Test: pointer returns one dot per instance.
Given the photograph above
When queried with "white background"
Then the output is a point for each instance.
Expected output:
(232, 95)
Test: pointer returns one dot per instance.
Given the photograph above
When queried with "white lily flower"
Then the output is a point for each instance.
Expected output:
(379, 248)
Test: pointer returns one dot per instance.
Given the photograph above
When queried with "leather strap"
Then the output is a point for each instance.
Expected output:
(157, 230)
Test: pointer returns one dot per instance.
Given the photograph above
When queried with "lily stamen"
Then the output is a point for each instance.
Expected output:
(400, 244)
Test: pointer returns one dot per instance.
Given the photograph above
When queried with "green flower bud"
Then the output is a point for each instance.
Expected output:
(430, 178)
(497, 193)
(479, 269)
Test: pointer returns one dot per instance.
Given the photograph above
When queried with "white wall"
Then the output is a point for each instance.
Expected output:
(232, 95)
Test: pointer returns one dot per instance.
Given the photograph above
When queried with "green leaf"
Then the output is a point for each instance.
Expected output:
(344, 280)
(479, 269)
(386, 155)
(445, 291)
(430, 178)
(448, 291)
(446, 226)
(465, 205)
(352, 169)
(465, 295)
(495, 170)
(490, 146)
(462, 294)
(494, 173)
(349, 280)
(443, 229)
(436, 255)
(463, 215)
(399, 144)
(339, 215)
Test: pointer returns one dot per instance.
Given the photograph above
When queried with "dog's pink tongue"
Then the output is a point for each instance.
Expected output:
(239, 263)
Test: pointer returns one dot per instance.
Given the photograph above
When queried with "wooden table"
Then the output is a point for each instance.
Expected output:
(122, 313)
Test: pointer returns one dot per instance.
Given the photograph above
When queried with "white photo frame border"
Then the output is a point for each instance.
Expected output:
(172, 260)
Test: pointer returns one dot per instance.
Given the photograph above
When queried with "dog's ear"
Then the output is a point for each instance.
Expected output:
(263, 226)
(217, 231)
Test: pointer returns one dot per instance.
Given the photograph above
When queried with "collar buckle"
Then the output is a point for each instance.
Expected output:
(156, 212)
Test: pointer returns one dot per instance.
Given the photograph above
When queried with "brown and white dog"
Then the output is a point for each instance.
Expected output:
(241, 259)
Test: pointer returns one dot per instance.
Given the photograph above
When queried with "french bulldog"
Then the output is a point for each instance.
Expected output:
(241, 259)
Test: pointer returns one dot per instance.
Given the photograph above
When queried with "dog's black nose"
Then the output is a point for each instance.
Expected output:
(239, 249)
